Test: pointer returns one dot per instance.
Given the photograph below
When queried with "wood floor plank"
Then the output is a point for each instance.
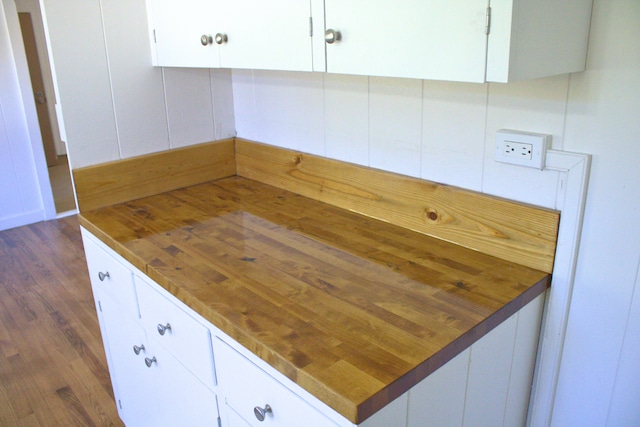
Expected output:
(53, 369)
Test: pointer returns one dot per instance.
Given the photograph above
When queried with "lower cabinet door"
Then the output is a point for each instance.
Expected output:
(152, 388)
(126, 347)
(232, 419)
(180, 398)
(254, 398)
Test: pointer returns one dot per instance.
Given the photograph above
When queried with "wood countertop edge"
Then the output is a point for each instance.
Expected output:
(355, 412)
(429, 366)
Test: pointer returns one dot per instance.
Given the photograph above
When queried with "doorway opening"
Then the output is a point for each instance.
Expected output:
(55, 154)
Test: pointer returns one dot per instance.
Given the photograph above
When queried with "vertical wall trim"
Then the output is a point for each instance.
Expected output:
(570, 201)
(47, 207)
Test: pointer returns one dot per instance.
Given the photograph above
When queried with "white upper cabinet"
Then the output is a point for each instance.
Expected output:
(425, 39)
(273, 35)
(533, 38)
(177, 29)
(267, 35)
(458, 40)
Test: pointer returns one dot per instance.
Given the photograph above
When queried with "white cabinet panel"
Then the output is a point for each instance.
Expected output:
(246, 387)
(151, 384)
(181, 334)
(182, 400)
(162, 393)
(272, 35)
(443, 40)
(110, 276)
(490, 369)
(531, 39)
(177, 27)
(131, 383)
(438, 400)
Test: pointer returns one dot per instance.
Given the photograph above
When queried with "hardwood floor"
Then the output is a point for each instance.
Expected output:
(53, 370)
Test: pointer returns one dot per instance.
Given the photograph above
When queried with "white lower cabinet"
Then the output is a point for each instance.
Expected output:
(253, 398)
(153, 388)
(161, 360)
(153, 384)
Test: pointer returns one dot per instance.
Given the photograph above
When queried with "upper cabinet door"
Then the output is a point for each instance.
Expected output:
(257, 34)
(426, 39)
(183, 33)
(267, 35)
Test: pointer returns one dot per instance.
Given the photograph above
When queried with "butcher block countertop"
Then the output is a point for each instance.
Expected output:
(353, 309)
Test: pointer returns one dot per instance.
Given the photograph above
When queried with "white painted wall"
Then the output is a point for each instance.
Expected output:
(444, 132)
(25, 194)
(115, 104)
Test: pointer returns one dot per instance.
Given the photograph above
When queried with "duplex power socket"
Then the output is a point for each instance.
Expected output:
(522, 148)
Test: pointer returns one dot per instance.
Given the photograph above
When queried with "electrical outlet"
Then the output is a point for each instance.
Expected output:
(518, 149)
(522, 148)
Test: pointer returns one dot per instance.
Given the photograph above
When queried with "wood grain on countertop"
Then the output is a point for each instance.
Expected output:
(353, 309)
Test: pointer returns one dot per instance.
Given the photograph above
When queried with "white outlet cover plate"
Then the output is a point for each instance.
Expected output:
(539, 142)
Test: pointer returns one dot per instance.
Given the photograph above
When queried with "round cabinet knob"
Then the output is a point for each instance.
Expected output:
(221, 38)
(206, 40)
(137, 349)
(150, 362)
(260, 413)
(332, 36)
(103, 276)
(162, 329)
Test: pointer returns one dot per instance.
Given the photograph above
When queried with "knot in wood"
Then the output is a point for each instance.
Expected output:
(297, 159)
(432, 214)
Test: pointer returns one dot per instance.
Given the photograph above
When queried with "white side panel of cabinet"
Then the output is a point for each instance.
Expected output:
(489, 372)
(532, 38)
(394, 414)
(523, 364)
(272, 35)
(438, 400)
(178, 26)
(421, 39)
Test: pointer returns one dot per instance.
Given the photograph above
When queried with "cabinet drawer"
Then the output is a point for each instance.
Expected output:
(110, 275)
(246, 387)
(182, 335)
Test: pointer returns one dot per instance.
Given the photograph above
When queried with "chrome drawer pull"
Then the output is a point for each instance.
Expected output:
(138, 349)
(164, 328)
(260, 413)
(103, 276)
(150, 362)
